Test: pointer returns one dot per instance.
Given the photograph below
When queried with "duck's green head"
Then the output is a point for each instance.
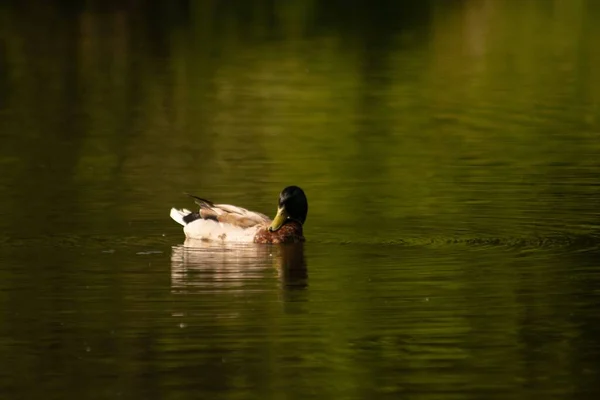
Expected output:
(293, 206)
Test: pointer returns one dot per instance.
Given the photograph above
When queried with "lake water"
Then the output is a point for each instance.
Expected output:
(450, 153)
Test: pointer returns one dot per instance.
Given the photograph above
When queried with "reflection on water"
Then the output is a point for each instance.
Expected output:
(202, 265)
(449, 151)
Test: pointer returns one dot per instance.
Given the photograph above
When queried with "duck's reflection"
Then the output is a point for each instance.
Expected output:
(292, 265)
(200, 265)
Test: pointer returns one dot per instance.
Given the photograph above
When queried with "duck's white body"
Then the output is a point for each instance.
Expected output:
(242, 229)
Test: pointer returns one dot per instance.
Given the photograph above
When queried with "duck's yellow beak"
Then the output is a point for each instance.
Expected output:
(279, 219)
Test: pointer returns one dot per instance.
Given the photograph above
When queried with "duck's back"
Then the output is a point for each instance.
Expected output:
(224, 227)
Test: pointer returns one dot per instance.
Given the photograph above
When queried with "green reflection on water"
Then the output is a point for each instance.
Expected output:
(445, 124)
(467, 126)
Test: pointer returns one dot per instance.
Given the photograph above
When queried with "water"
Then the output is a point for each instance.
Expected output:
(448, 150)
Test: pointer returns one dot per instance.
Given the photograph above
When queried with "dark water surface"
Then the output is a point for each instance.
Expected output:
(450, 152)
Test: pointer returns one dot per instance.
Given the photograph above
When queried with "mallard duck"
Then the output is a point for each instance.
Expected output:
(227, 223)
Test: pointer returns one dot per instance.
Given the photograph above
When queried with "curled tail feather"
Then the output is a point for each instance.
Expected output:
(184, 216)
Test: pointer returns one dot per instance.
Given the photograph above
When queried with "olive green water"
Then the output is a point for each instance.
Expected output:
(450, 152)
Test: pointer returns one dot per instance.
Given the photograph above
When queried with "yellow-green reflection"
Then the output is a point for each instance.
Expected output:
(468, 126)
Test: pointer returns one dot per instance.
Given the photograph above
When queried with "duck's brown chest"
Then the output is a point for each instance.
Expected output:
(291, 232)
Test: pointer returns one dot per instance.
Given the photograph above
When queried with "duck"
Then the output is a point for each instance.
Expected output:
(229, 223)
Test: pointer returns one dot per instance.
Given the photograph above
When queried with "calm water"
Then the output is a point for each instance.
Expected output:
(450, 152)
